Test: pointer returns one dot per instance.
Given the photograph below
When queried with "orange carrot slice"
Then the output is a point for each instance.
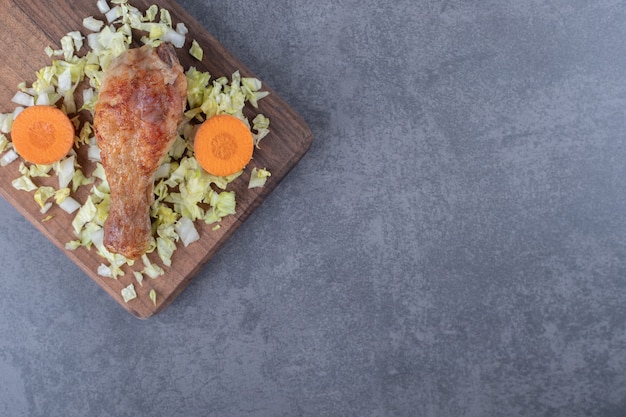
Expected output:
(223, 145)
(42, 134)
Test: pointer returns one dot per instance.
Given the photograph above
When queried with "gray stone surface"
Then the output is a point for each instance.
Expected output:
(452, 245)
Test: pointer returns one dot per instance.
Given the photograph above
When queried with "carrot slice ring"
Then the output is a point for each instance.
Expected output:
(223, 145)
(42, 134)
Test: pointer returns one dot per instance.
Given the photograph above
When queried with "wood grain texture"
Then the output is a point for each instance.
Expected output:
(26, 28)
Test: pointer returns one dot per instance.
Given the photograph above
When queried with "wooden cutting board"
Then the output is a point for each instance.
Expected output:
(26, 28)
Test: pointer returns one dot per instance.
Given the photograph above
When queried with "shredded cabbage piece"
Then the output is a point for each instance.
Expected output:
(61, 195)
(6, 122)
(69, 205)
(4, 143)
(24, 183)
(86, 213)
(8, 157)
(187, 231)
(92, 24)
(65, 170)
(42, 194)
(39, 170)
(79, 179)
(103, 6)
(151, 269)
(45, 208)
(258, 177)
(139, 277)
(129, 293)
(195, 50)
(261, 124)
(23, 99)
(151, 13)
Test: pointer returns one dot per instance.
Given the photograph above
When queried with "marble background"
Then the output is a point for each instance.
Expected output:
(453, 244)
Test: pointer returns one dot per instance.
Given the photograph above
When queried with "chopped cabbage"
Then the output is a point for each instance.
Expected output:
(69, 205)
(42, 194)
(85, 214)
(113, 14)
(128, 293)
(150, 269)
(139, 277)
(106, 271)
(261, 124)
(6, 122)
(197, 82)
(187, 231)
(99, 172)
(23, 99)
(182, 28)
(93, 153)
(103, 6)
(92, 24)
(79, 179)
(196, 51)
(23, 183)
(8, 157)
(85, 133)
(174, 38)
(61, 195)
(258, 177)
(23, 169)
(151, 13)
(4, 143)
(165, 249)
(37, 170)
(65, 81)
(89, 99)
(65, 170)
(166, 17)
(71, 42)
(17, 111)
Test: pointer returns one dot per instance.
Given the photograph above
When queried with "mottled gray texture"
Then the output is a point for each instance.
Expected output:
(454, 243)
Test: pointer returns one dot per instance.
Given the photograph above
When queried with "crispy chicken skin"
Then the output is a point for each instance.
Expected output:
(141, 103)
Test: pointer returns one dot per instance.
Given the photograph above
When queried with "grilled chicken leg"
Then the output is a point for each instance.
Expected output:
(141, 103)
